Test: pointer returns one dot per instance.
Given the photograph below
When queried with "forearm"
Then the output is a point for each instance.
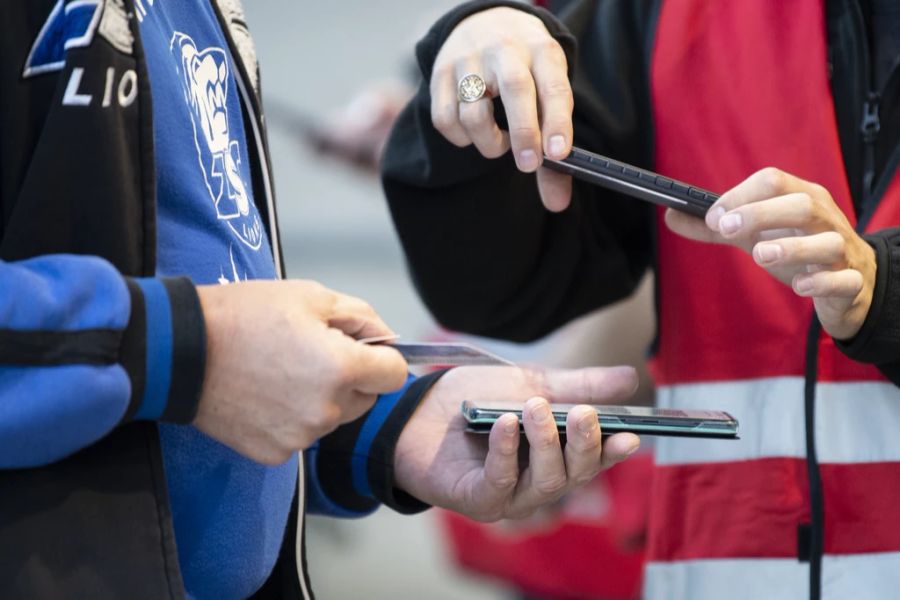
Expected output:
(83, 350)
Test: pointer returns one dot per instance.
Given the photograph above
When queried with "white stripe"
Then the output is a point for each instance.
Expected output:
(735, 579)
(855, 421)
(856, 576)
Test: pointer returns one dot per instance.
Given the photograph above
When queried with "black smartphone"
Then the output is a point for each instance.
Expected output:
(633, 181)
(642, 420)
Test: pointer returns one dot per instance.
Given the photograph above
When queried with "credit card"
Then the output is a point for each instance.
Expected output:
(438, 354)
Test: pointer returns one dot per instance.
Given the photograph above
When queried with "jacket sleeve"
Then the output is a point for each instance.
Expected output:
(485, 255)
(878, 340)
(83, 349)
(350, 472)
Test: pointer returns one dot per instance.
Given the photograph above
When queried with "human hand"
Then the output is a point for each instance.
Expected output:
(478, 475)
(795, 231)
(283, 367)
(522, 64)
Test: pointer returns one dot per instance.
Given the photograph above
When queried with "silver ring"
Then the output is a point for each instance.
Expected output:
(470, 88)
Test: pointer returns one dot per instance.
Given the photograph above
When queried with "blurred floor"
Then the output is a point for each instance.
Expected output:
(336, 230)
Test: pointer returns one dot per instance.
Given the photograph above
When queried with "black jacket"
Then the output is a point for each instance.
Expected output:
(488, 259)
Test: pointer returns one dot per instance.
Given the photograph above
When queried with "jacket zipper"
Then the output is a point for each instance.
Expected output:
(869, 128)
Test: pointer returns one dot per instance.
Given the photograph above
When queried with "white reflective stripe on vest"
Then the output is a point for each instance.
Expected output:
(845, 577)
(855, 421)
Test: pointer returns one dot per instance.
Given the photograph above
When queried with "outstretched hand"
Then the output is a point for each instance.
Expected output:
(480, 476)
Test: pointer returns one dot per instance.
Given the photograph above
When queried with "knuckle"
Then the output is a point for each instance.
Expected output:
(585, 478)
(472, 116)
(518, 82)
(552, 485)
(524, 135)
(772, 179)
(444, 118)
(805, 206)
(546, 440)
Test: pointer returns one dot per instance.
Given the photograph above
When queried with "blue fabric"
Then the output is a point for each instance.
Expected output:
(65, 293)
(229, 512)
(46, 413)
(368, 433)
(317, 501)
(66, 25)
(159, 349)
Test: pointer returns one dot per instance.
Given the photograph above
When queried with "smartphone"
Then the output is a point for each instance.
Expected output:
(633, 181)
(642, 420)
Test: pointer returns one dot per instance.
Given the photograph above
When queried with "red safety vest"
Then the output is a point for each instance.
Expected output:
(738, 86)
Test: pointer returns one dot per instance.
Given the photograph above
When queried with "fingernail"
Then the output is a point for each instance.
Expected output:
(528, 160)
(768, 253)
(731, 223)
(541, 413)
(804, 285)
(511, 426)
(557, 145)
(713, 217)
(633, 449)
(587, 424)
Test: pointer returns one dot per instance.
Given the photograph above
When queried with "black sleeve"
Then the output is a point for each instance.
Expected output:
(485, 255)
(878, 341)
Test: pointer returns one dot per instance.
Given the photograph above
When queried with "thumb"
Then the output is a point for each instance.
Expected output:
(356, 318)
(555, 189)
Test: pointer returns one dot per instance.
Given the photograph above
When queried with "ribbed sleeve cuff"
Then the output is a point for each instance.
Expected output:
(878, 340)
(354, 464)
(164, 350)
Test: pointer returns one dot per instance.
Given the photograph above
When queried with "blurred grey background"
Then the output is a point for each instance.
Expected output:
(315, 56)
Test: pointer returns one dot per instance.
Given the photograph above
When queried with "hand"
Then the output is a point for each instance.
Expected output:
(522, 64)
(795, 231)
(479, 475)
(283, 367)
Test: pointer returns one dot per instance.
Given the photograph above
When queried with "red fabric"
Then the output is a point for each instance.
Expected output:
(766, 500)
(738, 86)
(574, 557)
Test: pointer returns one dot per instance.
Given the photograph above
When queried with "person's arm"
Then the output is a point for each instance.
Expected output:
(412, 451)
(878, 340)
(264, 367)
(486, 256)
(83, 349)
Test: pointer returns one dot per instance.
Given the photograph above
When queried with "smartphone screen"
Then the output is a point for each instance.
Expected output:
(642, 420)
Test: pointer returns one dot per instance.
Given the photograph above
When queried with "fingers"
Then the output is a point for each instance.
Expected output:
(517, 91)
(847, 283)
(501, 468)
(827, 249)
(762, 185)
(791, 211)
(550, 71)
(373, 369)
(545, 478)
(355, 317)
(585, 386)
(691, 227)
(583, 445)
(477, 119)
(617, 448)
(445, 107)
(555, 189)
